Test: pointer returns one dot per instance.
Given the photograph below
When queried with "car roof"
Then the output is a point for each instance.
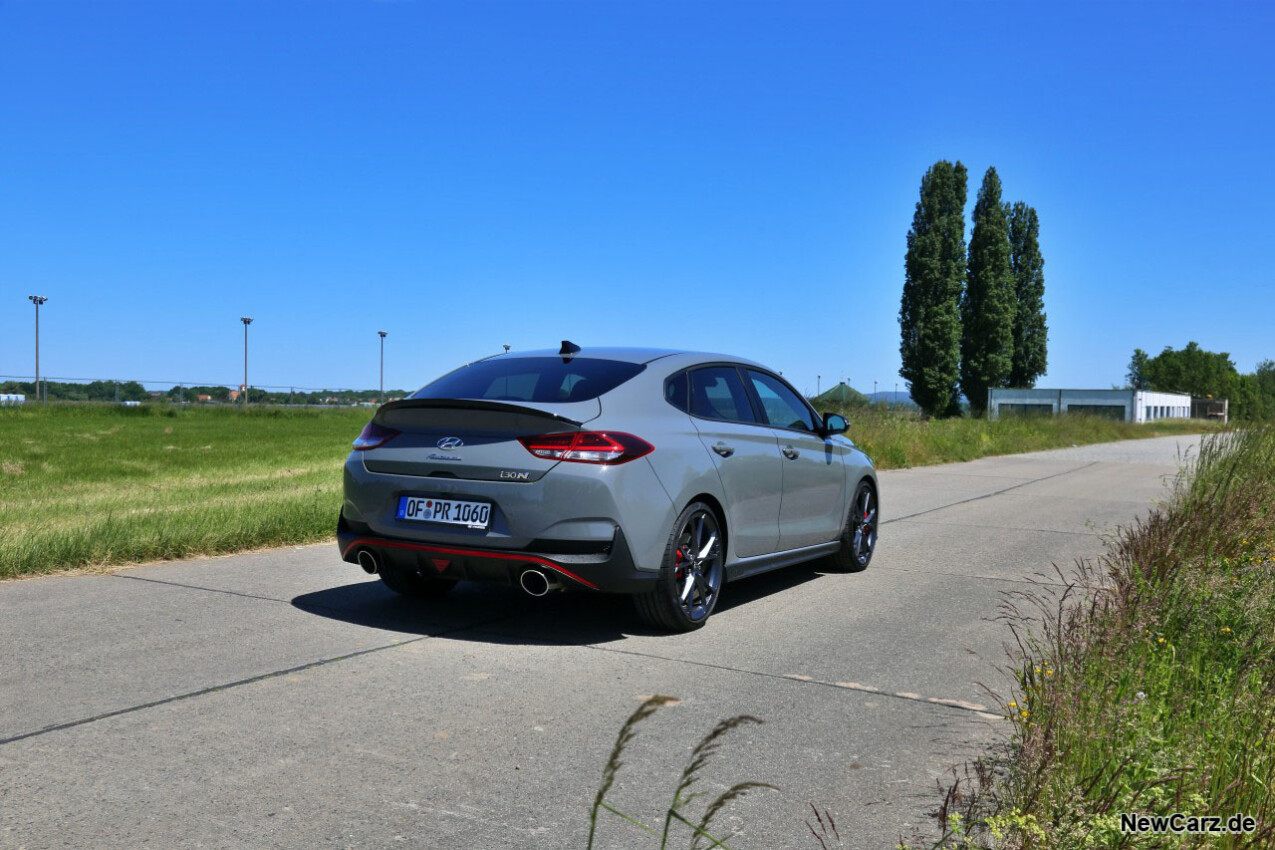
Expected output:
(633, 355)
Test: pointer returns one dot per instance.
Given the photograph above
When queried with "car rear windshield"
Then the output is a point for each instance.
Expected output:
(538, 379)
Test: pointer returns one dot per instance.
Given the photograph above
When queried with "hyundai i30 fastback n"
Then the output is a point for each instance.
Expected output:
(659, 474)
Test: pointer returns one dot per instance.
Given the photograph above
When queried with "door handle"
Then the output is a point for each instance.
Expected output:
(790, 452)
(723, 449)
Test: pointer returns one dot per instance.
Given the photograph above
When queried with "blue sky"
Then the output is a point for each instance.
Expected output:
(733, 177)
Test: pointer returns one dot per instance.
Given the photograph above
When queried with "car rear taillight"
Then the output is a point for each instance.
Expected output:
(607, 447)
(374, 435)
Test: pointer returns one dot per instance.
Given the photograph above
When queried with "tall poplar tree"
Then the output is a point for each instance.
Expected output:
(929, 315)
(1030, 330)
(988, 303)
(1137, 374)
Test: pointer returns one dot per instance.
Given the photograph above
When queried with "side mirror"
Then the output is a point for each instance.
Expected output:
(835, 423)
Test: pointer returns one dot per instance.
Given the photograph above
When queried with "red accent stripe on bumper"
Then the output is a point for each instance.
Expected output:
(473, 553)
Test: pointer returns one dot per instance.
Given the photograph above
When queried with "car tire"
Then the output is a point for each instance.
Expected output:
(859, 537)
(413, 584)
(691, 575)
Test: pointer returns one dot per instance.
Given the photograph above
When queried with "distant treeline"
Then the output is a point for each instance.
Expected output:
(133, 391)
(1206, 374)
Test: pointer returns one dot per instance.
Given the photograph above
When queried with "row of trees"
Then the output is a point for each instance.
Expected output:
(257, 395)
(133, 391)
(1206, 374)
(970, 323)
(94, 391)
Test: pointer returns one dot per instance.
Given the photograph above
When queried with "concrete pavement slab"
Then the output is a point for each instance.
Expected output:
(423, 745)
(285, 699)
(1027, 512)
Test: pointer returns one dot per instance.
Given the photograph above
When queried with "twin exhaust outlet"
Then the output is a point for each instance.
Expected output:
(533, 581)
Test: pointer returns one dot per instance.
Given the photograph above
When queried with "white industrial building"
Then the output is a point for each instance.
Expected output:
(1126, 405)
(7, 399)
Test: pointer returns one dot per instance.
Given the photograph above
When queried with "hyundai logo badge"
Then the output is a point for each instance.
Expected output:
(447, 444)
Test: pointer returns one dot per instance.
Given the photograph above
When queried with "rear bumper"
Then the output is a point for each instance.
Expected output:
(607, 567)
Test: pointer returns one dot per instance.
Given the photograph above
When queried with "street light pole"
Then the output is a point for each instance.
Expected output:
(380, 396)
(247, 320)
(37, 300)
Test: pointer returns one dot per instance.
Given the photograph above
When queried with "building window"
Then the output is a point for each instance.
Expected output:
(1006, 409)
(1108, 411)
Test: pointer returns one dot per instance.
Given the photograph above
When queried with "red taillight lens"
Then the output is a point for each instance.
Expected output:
(374, 435)
(609, 447)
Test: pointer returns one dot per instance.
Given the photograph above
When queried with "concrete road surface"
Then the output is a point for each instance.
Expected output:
(285, 699)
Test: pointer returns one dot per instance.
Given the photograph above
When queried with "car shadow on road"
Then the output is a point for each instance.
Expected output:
(494, 614)
(473, 612)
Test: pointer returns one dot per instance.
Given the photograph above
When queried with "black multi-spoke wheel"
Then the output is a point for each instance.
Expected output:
(692, 574)
(859, 537)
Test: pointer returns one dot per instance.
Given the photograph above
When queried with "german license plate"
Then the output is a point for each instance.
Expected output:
(447, 511)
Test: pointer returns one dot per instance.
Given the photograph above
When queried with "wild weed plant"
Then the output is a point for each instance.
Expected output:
(1145, 683)
(827, 833)
(677, 815)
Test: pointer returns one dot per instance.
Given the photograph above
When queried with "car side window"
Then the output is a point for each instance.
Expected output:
(718, 393)
(675, 392)
(782, 406)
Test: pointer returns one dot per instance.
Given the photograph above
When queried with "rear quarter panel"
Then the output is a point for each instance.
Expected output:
(681, 464)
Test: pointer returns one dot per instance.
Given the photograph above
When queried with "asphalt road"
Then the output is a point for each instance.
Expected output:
(284, 699)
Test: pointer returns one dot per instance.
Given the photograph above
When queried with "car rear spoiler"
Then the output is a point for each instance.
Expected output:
(451, 413)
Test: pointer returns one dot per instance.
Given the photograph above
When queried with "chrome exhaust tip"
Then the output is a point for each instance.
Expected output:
(536, 583)
(367, 560)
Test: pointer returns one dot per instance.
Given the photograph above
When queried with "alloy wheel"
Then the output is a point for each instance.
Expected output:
(865, 526)
(697, 566)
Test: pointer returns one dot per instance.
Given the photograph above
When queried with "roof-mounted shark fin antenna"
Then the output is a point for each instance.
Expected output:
(569, 349)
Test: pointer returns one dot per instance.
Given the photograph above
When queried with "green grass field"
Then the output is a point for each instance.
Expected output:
(85, 485)
(897, 440)
(90, 485)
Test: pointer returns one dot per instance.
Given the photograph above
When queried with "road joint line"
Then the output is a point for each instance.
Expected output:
(71, 724)
(261, 677)
(1097, 534)
(960, 705)
(205, 589)
(1021, 580)
(993, 493)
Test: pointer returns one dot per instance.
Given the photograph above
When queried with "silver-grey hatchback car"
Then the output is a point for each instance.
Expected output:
(658, 474)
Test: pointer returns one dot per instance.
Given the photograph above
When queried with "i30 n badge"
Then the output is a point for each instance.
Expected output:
(658, 474)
